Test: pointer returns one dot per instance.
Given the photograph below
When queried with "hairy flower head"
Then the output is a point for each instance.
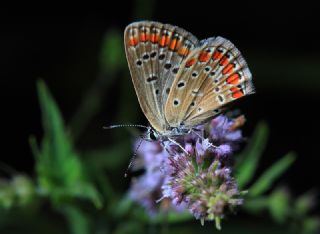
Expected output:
(198, 178)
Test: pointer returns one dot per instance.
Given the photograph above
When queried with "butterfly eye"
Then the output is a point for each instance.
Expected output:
(153, 135)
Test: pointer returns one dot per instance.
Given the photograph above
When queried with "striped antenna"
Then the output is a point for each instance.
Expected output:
(131, 163)
(133, 158)
(125, 125)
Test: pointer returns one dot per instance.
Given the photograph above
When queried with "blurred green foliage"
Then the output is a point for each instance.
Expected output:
(60, 173)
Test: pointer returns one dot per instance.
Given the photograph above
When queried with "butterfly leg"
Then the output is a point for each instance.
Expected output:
(201, 137)
(176, 143)
(165, 146)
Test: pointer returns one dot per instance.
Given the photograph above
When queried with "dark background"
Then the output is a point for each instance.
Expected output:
(62, 45)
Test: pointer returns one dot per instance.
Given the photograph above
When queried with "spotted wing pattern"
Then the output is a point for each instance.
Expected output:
(213, 75)
(155, 53)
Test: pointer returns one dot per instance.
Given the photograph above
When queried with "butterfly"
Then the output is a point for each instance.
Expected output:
(182, 82)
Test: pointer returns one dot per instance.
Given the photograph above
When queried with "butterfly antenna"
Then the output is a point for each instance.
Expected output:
(125, 126)
(134, 156)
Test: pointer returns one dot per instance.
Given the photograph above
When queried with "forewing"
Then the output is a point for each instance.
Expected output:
(155, 52)
(213, 75)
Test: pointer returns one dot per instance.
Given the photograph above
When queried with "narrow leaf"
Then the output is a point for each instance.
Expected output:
(256, 205)
(248, 160)
(60, 172)
(270, 175)
(77, 220)
(279, 205)
(304, 203)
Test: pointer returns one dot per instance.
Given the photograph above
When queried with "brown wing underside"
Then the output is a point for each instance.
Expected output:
(213, 75)
(155, 52)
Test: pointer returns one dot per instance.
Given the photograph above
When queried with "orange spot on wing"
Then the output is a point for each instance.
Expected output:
(228, 69)
(190, 62)
(233, 79)
(183, 51)
(216, 55)
(164, 41)
(224, 61)
(144, 37)
(236, 92)
(204, 57)
(173, 44)
(154, 38)
(133, 41)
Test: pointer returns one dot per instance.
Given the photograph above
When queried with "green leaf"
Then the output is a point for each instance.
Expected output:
(77, 220)
(7, 195)
(265, 181)
(174, 217)
(122, 207)
(112, 54)
(256, 205)
(60, 172)
(141, 215)
(279, 205)
(304, 203)
(311, 225)
(128, 227)
(248, 161)
(34, 147)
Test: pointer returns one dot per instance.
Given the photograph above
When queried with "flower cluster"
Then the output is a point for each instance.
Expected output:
(198, 178)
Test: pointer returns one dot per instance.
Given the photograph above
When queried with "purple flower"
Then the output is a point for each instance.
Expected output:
(207, 189)
(200, 181)
(223, 129)
(146, 188)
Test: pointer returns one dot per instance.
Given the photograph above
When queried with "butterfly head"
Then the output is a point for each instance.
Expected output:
(152, 135)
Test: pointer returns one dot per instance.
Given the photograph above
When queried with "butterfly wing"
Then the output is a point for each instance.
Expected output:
(213, 75)
(155, 52)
